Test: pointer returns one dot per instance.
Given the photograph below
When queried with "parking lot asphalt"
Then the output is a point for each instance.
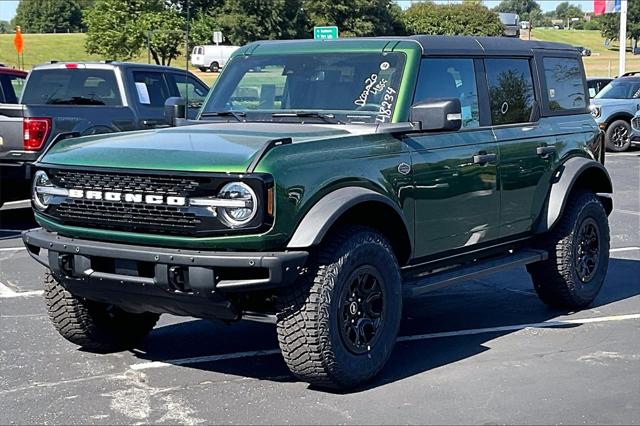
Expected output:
(487, 351)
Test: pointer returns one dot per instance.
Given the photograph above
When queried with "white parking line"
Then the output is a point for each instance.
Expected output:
(619, 249)
(12, 248)
(250, 354)
(8, 293)
(626, 211)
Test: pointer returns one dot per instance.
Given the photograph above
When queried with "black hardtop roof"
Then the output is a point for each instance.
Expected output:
(470, 45)
(442, 45)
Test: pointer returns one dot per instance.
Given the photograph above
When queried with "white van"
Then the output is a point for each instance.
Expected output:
(211, 57)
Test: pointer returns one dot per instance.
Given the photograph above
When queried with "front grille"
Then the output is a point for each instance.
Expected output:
(156, 184)
(635, 123)
(131, 216)
(127, 215)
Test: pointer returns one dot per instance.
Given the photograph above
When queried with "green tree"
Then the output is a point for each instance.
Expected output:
(566, 11)
(452, 19)
(356, 17)
(243, 21)
(121, 29)
(610, 23)
(165, 32)
(48, 16)
(5, 27)
(201, 28)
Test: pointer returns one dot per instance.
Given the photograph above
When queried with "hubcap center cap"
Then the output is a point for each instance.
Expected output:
(353, 308)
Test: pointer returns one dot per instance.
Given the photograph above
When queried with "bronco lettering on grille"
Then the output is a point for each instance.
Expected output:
(128, 197)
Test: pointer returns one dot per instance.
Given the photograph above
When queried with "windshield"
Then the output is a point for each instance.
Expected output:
(72, 87)
(345, 86)
(620, 89)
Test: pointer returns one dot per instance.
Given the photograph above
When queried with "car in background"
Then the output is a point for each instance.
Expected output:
(211, 57)
(11, 84)
(65, 99)
(511, 23)
(596, 84)
(614, 107)
(583, 50)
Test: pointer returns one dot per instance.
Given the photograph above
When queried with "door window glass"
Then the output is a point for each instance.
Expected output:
(450, 78)
(151, 88)
(189, 89)
(565, 88)
(510, 90)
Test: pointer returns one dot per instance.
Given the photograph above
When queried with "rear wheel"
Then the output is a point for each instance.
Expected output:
(93, 325)
(338, 324)
(214, 67)
(578, 248)
(618, 136)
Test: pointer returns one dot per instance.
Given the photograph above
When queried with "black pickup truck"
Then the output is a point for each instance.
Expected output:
(60, 100)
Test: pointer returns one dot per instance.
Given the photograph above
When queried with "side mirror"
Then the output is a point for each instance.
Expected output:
(175, 108)
(437, 114)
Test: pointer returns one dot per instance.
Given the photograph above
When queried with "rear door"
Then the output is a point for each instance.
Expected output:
(455, 173)
(526, 144)
(193, 91)
(149, 91)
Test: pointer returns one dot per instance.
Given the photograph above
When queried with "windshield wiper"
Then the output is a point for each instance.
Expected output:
(75, 100)
(327, 118)
(238, 115)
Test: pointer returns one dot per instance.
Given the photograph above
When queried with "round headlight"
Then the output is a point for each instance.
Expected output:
(41, 200)
(238, 216)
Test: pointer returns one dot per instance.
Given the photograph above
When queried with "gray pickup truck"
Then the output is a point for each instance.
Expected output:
(61, 100)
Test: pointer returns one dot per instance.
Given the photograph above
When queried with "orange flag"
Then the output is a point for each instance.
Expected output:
(17, 41)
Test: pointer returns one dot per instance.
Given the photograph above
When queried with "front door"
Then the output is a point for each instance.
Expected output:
(455, 173)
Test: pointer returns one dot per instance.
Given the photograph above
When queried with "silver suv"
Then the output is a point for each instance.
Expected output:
(614, 107)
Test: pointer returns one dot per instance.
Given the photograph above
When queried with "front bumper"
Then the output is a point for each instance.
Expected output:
(182, 282)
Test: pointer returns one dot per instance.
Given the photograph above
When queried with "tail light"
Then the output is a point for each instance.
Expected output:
(35, 131)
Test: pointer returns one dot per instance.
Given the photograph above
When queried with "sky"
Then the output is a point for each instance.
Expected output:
(8, 7)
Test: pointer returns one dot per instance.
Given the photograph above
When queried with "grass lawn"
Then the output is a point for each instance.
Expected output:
(597, 65)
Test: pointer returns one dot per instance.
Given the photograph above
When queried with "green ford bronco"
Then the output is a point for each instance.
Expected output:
(324, 182)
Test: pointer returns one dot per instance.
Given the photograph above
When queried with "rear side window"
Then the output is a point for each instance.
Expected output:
(10, 88)
(450, 78)
(72, 87)
(510, 90)
(151, 88)
(565, 88)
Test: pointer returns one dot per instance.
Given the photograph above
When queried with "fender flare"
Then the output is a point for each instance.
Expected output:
(315, 224)
(590, 172)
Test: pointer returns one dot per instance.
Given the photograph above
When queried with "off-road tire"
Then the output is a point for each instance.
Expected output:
(557, 280)
(214, 66)
(92, 325)
(312, 344)
(610, 136)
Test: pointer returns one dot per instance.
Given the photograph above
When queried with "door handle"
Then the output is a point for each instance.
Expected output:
(484, 158)
(545, 150)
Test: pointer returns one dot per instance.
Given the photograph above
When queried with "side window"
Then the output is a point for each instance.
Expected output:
(191, 89)
(18, 84)
(151, 88)
(565, 89)
(510, 90)
(450, 78)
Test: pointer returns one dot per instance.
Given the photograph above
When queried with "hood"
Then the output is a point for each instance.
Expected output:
(624, 103)
(221, 147)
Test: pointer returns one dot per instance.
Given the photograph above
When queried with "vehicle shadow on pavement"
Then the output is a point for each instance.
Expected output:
(500, 300)
(14, 221)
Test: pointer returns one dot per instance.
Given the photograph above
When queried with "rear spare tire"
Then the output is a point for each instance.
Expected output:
(338, 324)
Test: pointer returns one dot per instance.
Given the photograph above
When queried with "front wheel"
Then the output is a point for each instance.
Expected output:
(93, 325)
(617, 136)
(338, 324)
(578, 248)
